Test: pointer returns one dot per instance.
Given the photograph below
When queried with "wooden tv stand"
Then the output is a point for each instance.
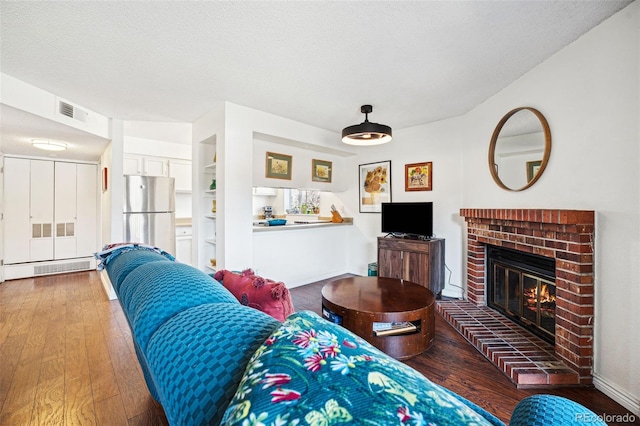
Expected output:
(418, 261)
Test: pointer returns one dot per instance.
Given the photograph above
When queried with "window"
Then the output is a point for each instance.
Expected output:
(301, 201)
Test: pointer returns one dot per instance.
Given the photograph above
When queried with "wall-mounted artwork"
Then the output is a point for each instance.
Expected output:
(278, 166)
(375, 186)
(321, 170)
(417, 176)
(105, 179)
(532, 169)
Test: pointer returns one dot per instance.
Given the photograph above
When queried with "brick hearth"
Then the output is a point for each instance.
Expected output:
(564, 235)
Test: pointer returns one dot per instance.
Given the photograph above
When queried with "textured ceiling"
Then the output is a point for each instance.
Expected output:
(312, 61)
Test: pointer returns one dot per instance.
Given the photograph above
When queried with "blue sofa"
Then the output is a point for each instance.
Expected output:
(207, 359)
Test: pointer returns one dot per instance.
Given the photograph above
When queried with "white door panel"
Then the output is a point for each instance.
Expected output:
(87, 210)
(41, 201)
(17, 224)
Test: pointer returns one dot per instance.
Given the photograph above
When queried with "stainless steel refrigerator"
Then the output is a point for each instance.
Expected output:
(149, 211)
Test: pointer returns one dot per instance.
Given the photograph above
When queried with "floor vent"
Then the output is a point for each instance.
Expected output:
(61, 267)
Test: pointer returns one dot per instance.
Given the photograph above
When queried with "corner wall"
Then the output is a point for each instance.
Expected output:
(589, 93)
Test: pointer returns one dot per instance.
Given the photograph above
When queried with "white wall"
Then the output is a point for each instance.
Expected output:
(589, 94)
(301, 167)
(235, 128)
(439, 143)
(26, 97)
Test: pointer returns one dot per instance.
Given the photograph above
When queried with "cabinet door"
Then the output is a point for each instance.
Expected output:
(65, 210)
(155, 167)
(132, 165)
(17, 220)
(183, 249)
(390, 264)
(416, 268)
(181, 171)
(41, 186)
(87, 210)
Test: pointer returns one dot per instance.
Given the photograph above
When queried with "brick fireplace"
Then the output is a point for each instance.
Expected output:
(564, 235)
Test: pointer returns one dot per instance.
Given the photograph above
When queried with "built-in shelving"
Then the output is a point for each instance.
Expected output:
(208, 221)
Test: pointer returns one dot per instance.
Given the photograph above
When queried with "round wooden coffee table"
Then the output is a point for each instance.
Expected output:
(361, 304)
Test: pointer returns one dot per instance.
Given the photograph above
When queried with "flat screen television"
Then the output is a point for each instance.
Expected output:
(413, 220)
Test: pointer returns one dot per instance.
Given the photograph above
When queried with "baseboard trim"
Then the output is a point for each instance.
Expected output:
(623, 398)
(108, 287)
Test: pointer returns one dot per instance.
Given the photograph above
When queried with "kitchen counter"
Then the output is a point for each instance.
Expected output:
(292, 226)
(183, 221)
(300, 222)
(298, 254)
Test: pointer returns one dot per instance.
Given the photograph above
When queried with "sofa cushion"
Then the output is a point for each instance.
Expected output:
(121, 266)
(198, 358)
(311, 371)
(263, 294)
(163, 289)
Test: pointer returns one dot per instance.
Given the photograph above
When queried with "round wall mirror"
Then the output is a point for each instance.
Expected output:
(520, 148)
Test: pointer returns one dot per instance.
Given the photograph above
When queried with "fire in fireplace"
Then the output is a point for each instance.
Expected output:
(522, 287)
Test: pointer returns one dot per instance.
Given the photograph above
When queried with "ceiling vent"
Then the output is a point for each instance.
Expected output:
(72, 111)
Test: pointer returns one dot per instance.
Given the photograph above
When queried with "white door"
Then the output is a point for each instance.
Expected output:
(41, 202)
(1, 217)
(87, 210)
(17, 221)
(65, 210)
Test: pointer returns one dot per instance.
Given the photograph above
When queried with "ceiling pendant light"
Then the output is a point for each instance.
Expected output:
(366, 133)
(48, 145)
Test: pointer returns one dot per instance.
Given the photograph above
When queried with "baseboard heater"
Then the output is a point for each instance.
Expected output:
(35, 269)
(57, 268)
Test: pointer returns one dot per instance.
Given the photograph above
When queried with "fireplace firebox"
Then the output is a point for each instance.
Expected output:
(521, 286)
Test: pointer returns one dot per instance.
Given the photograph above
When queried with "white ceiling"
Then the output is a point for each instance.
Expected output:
(315, 62)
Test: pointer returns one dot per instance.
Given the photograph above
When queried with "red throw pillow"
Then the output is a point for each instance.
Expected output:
(266, 295)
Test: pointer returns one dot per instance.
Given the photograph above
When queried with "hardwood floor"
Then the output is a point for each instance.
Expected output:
(66, 358)
(455, 364)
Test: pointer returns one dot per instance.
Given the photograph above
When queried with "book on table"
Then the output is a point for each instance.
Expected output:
(393, 328)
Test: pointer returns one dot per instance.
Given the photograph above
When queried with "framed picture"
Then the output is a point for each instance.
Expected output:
(320, 170)
(375, 186)
(417, 176)
(532, 169)
(105, 179)
(278, 166)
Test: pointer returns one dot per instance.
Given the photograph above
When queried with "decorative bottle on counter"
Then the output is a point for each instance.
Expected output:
(213, 185)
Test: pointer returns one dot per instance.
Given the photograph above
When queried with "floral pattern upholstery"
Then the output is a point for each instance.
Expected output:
(312, 372)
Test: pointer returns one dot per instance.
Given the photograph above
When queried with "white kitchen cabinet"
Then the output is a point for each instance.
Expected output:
(181, 171)
(183, 244)
(154, 166)
(134, 164)
(261, 190)
(51, 210)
